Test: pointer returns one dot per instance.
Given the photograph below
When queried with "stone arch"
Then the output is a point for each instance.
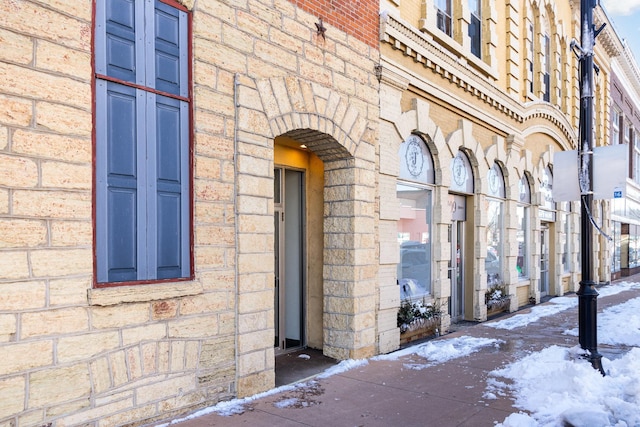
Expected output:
(546, 159)
(563, 132)
(462, 139)
(417, 120)
(293, 105)
(496, 153)
(338, 132)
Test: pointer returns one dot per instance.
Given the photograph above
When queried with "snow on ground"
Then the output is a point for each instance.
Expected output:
(557, 386)
(440, 351)
(554, 386)
(619, 324)
(521, 320)
(436, 352)
(558, 304)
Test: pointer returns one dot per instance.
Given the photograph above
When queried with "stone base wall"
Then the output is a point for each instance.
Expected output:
(74, 354)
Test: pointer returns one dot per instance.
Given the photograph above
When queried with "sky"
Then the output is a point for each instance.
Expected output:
(625, 15)
(574, 391)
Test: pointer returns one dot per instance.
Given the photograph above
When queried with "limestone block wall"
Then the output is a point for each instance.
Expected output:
(73, 354)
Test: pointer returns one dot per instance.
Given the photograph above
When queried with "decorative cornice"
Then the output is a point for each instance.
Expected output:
(608, 38)
(424, 50)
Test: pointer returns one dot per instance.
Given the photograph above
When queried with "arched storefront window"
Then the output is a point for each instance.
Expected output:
(565, 233)
(414, 190)
(524, 228)
(548, 206)
(494, 204)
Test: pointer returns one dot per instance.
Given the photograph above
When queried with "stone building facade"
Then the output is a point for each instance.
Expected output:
(137, 200)
(181, 205)
(475, 101)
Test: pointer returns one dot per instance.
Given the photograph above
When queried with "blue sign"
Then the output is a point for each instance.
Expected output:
(617, 194)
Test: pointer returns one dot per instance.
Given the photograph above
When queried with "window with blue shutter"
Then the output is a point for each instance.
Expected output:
(142, 142)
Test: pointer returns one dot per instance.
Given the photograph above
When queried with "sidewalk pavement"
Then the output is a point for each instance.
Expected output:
(387, 393)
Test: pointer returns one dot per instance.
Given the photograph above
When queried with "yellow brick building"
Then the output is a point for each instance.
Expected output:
(482, 94)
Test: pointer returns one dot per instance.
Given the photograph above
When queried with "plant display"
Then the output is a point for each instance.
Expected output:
(497, 296)
(414, 314)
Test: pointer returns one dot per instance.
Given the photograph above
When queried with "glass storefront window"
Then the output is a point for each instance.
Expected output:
(495, 207)
(522, 263)
(414, 226)
(564, 239)
(523, 233)
(634, 247)
(414, 238)
(616, 261)
(493, 261)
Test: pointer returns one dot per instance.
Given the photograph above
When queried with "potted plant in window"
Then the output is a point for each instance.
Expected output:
(417, 319)
(497, 298)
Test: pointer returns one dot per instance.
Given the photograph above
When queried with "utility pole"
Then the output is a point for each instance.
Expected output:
(587, 294)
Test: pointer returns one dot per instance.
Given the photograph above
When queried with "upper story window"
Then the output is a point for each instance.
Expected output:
(530, 57)
(475, 27)
(628, 132)
(445, 16)
(142, 122)
(616, 124)
(636, 157)
(546, 68)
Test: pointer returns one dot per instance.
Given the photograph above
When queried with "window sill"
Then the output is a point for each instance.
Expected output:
(463, 53)
(142, 293)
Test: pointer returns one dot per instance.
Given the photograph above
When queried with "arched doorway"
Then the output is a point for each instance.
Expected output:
(339, 135)
(298, 246)
(460, 191)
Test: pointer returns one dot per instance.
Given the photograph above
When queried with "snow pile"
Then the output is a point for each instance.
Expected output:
(619, 324)
(440, 351)
(558, 386)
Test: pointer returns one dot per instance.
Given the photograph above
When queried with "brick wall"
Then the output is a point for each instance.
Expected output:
(357, 18)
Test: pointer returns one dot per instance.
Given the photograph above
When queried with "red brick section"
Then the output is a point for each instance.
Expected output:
(359, 18)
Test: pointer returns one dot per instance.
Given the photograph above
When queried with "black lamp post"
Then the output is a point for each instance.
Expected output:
(587, 294)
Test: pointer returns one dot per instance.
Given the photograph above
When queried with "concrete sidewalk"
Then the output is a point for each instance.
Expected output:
(387, 393)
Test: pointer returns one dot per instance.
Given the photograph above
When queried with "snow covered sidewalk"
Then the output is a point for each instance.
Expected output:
(522, 370)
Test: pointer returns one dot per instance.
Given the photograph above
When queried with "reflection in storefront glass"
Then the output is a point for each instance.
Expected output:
(414, 269)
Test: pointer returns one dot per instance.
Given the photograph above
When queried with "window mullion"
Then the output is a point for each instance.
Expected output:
(184, 54)
(142, 184)
(142, 20)
(102, 250)
(185, 185)
(151, 177)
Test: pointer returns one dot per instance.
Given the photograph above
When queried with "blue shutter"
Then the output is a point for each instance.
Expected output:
(166, 74)
(123, 54)
(169, 187)
(122, 181)
(118, 111)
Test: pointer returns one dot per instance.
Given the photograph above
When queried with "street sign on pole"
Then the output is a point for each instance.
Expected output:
(610, 171)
